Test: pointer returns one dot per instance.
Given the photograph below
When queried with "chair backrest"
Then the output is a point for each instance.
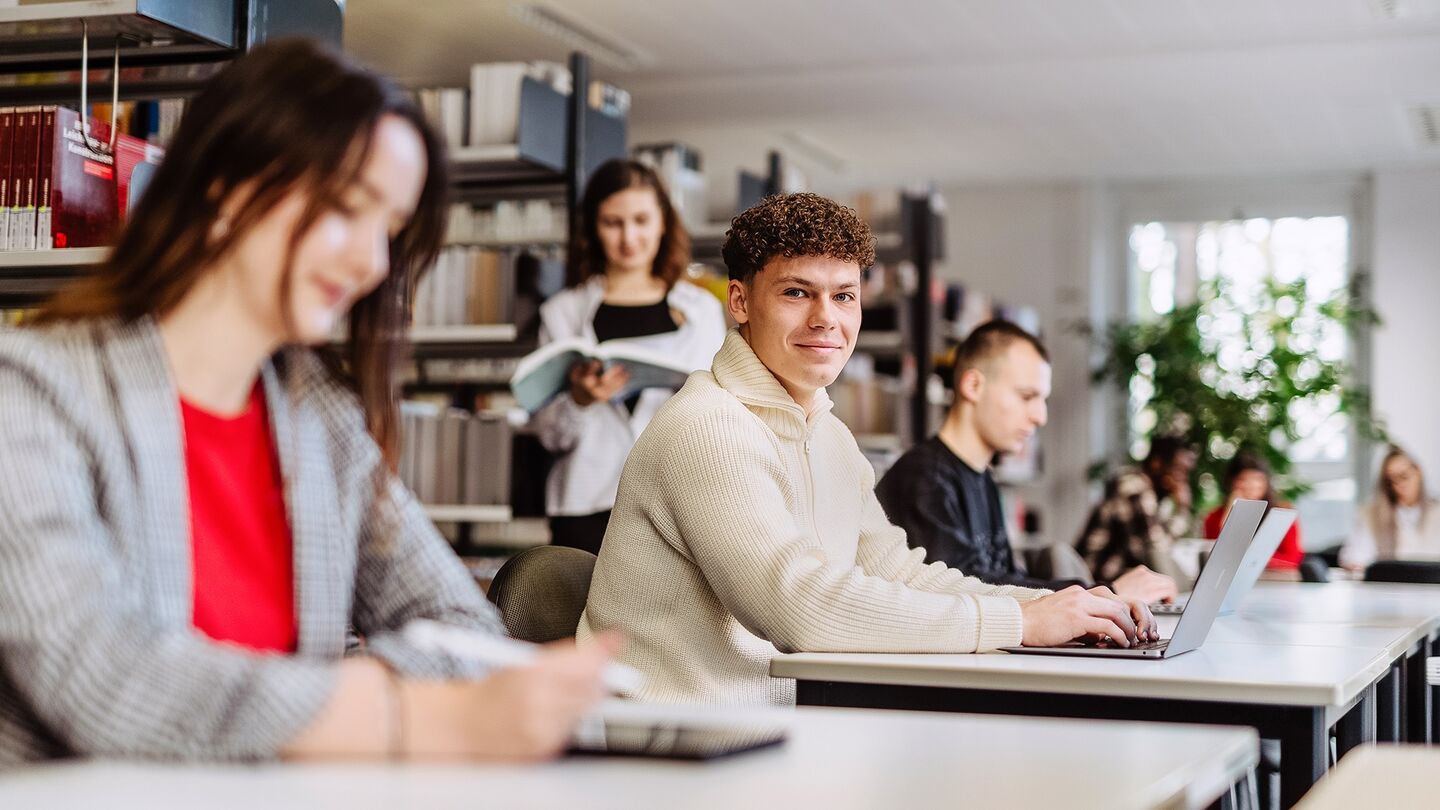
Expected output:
(1426, 571)
(541, 592)
(1057, 561)
(1314, 568)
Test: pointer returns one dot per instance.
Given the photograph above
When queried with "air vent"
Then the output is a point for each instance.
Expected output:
(1403, 9)
(576, 37)
(1426, 118)
(1387, 9)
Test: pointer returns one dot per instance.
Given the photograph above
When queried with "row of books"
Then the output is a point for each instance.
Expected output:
(488, 111)
(153, 121)
(61, 187)
(467, 285)
(541, 221)
(678, 166)
(452, 457)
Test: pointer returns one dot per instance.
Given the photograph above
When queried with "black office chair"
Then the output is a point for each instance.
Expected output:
(1422, 571)
(1314, 568)
(541, 592)
(1057, 561)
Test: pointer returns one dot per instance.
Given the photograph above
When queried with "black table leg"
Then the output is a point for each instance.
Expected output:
(1357, 727)
(1304, 744)
(1388, 712)
(1417, 696)
(1434, 695)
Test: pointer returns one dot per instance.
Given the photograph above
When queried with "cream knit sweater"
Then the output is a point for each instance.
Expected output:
(743, 529)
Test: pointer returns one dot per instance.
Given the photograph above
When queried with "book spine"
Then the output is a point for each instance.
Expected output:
(83, 184)
(7, 141)
(45, 165)
(22, 205)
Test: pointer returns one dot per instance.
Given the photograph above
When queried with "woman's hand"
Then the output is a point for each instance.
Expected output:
(524, 713)
(590, 382)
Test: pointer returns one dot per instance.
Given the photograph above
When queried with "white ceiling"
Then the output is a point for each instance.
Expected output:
(976, 91)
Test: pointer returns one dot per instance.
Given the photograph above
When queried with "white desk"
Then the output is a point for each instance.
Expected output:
(835, 758)
(1407, 709)
(1389, 777)
(1369, 604)
(1293, 694)
(1389, 640)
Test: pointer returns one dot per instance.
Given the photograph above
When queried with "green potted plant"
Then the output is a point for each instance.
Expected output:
(1253, 386)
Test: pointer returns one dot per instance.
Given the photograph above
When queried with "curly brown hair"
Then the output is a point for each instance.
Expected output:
(793, 225)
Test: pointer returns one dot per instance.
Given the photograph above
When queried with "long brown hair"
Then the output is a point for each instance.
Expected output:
(587, 252)
(290, 115)
(1381, 511)
(1248, 460)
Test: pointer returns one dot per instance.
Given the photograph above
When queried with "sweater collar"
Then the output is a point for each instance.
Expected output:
(738, 370)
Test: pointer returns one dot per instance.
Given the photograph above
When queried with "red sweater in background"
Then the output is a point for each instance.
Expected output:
(1288, 555)
(244, 579)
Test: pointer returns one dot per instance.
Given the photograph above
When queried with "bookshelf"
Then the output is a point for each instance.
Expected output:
(166, 47)
(560, 139)
(468, 514)
(28, 277)
(486, 333)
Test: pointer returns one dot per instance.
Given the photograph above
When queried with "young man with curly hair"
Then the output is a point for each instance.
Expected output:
(746, 521)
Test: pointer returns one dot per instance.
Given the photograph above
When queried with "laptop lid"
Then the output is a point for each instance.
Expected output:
(1216, 577)
(1272, 530)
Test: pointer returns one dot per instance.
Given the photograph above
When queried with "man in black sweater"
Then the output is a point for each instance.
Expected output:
(941, 491)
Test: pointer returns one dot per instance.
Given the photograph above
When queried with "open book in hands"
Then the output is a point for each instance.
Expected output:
(545, 372)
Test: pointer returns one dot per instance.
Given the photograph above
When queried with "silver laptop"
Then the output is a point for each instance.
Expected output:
(1205, 600)
(1277, 522)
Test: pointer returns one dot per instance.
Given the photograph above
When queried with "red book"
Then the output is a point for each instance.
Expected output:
(78, 184)
(23, 157)
(7, 127)
(130, 152)
(43, 161)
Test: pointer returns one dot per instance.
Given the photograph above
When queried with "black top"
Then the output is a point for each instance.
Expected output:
(954, 513)
(614, 321)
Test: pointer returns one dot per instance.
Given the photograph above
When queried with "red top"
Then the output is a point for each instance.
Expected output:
(244, 571)
(1288, 555)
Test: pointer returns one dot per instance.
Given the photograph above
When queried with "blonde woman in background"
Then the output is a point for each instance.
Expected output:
(1401, 522)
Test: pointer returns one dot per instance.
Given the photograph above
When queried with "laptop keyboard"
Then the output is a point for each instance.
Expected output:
(1144, 645)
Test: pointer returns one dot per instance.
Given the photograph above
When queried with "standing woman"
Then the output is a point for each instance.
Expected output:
(1402, 521)
(626, 259)
(194, 507)
(1248, 476)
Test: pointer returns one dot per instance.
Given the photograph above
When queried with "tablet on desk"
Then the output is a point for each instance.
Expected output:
(671, 741)
(631, 729)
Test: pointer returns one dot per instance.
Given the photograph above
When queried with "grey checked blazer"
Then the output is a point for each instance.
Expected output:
(97, 652)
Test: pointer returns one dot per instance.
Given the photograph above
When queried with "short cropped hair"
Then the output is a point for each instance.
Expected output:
(795, 225)
(990, 340)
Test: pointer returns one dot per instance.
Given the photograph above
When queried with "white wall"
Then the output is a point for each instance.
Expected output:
(1406, 293)
(1032, 245)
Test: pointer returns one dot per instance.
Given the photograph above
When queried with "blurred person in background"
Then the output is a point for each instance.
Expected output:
(1144, 511)
(626, 262)
(1248, 477)
(1401, 522)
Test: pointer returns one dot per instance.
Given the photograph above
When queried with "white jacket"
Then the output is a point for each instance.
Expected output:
(744, 528)
(590, 443)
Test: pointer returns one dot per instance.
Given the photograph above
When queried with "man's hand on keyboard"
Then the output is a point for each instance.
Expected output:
(1145, 585)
